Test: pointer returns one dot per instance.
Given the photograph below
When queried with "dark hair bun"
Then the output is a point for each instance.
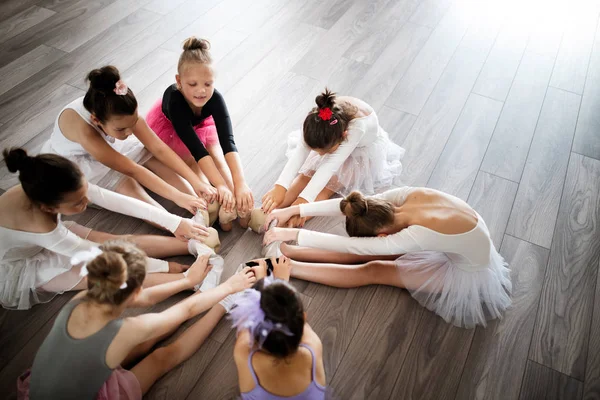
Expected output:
(193, 43)
(355, 205)
(16, 159)
(325, 99)
(104, 79)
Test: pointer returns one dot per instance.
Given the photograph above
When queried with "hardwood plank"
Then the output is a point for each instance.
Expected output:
(210, 21)
(541, 382)
(23, 43)
(430, 12)
(379, 81)
(592, 370)
(427, 138)
(379, 348)
(38, 117)
(256, 46)
(536, 205)
(225, 41)
(60, 6)
(437, 350)
(163, 7)
(27, 65)
(519, 117)
(587, 134)
(290, 91)
(564, 316)
(369, 46)
(344, 78)
(11, 7)
(493, 199)
(501, 66)
(79, 30)
(149, 68)
(498, 355)
(323, 14)
(155, 90)
(27, 342)
(255, 17)
(22, 21)
(547, 30)
(335, 314)
(75, 65)
(264, 77)
(457, 167)
(219, 379)
(419, 81)
(321, 59)
(572, 62)
(396, 123)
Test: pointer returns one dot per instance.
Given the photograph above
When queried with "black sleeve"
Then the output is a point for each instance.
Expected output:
(181, 116)
(218, 109)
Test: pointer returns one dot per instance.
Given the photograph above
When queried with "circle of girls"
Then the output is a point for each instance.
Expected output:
(340, 163)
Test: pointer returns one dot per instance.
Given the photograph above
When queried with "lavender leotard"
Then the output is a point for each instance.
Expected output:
(314, 391)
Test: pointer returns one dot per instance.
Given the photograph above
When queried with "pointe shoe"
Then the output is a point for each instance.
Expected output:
(272, 249)
(244, 219)
(202, 217)
(213, 278)
(257, 220)
(226, 218)
(213, 212)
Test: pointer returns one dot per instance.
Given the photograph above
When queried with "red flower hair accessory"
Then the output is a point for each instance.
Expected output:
(325, 113)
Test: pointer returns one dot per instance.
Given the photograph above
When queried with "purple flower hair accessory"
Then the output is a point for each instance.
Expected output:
(247, 314)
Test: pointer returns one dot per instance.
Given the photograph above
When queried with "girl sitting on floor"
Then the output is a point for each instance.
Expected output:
(36, 246)
(82, 355)
(277, 354)
(116, 150)
(192, 119)
(341, 148)
(429, 242)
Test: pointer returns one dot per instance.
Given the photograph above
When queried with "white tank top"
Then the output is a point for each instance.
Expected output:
(58, 142)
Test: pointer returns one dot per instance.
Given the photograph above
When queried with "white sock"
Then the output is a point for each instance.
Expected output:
(229, 302)
(213, 278)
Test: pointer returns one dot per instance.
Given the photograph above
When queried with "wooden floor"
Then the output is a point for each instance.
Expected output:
(496, 102)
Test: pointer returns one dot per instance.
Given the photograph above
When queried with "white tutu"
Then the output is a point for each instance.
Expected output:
(99, 174)
(460, 296)
(29, 276)
(370, 169)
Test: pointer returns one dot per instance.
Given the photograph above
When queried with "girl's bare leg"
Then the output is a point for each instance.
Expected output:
(216, 152)
(155, 246)
(298, 185)
(56, 285)
(169, 176)
(380, 272)
(130, 187)
(164, 359)
(308, 254)
(144, 348)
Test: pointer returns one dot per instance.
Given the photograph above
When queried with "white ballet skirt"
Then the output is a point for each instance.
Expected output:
(367, 161)
(461, 277)
(94, 171)
(35, 267)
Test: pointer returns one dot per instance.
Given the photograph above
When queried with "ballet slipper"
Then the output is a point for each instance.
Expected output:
(202, 217)
(257, 220)
(213, 278)
(213, 212)
(212, 240)
(244, 218)
(226, 218)
(272, 249)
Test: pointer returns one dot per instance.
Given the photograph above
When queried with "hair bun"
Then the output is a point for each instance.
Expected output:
(325, 99)
(16, 159)
(355, 205)
(108, 270)
(193, 43)
(104, 79)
